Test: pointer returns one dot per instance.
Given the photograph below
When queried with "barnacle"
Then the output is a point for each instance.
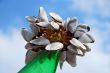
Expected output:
(55, 34)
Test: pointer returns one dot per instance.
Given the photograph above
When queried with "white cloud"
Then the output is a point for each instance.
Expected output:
(103, 29)
(12, 52)
(92, 6)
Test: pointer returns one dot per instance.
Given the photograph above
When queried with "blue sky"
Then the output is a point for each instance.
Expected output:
(93, 12)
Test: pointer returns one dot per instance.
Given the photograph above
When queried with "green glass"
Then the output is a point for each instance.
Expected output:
(44, 62)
